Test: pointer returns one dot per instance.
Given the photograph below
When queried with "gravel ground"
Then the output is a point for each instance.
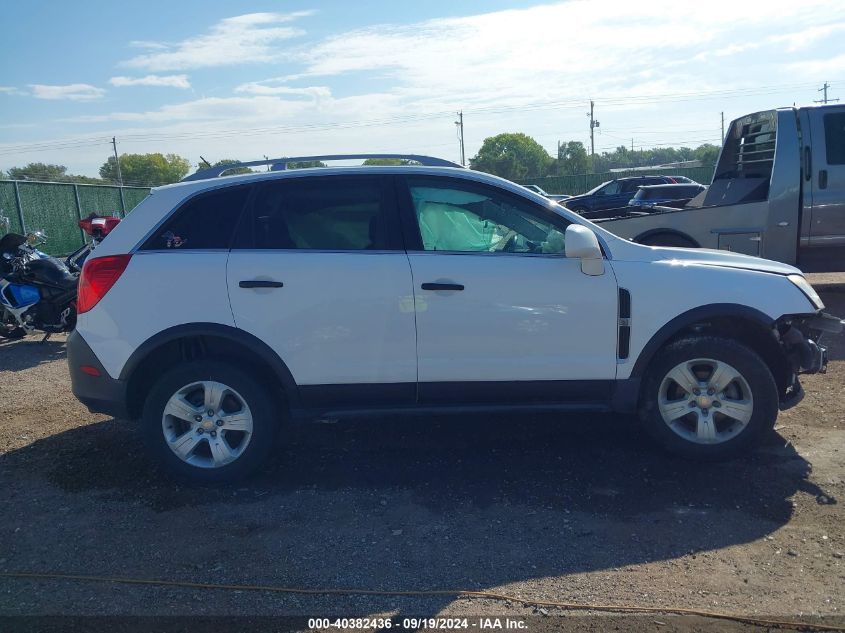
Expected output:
(582, 510)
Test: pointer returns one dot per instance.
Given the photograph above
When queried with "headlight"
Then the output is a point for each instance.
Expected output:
(805, 287)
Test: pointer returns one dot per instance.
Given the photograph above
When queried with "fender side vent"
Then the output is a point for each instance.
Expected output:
(624, 323)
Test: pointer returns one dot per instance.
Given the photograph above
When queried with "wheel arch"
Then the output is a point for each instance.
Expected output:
(205, 340)
(744, 324)
(665, 231)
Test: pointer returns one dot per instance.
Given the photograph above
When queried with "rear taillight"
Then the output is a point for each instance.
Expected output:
(97, 278)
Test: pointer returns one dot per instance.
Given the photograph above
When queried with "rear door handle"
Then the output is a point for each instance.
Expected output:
(260, 283)
(435, 286)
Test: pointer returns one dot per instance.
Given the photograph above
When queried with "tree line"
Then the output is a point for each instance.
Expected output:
(514, 156)
(519, 157)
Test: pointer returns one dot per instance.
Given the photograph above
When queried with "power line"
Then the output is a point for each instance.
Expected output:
(824, 89)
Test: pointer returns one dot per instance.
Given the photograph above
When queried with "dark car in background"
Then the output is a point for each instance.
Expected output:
(675, 195)
(557, 197)
(613, 193)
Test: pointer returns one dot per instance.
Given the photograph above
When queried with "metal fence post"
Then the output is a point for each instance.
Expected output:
(79, 211)
(20, 208)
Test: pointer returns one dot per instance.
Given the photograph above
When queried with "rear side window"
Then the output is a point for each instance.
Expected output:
(205, 222)
(335, 214)
(834, 138)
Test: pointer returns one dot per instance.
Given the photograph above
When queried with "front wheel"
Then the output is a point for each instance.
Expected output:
(709, 398)
(209, 422)
(11, 332)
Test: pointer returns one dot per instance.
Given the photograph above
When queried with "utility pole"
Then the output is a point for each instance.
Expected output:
(593, 125)
(824, 90)
(117, 161)
(460, 124)
(723, 127)
(267, 158)
(632, 145)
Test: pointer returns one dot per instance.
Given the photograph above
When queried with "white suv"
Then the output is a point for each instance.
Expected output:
(222, 307)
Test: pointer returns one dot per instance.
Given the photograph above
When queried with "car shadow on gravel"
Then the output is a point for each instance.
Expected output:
(601, 466)
(29, 352)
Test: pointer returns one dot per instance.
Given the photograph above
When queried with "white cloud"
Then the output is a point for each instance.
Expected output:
(10, 90)
(156, 46)
(268, 87)
(819, 67)
(228, 109)
(70, 92)
(248, 38)
(171, 81)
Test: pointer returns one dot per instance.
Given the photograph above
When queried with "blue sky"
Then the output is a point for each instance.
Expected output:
(238, 80)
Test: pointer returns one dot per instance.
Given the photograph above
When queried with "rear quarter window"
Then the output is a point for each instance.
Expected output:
(206, 221)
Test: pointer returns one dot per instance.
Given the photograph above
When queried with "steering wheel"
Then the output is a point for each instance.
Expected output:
(506, 244)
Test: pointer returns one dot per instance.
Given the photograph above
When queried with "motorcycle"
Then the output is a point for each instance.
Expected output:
(37, 291)
(97, 227)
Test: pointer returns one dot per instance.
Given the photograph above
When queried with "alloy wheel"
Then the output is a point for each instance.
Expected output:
(705, 401)
(207, 424)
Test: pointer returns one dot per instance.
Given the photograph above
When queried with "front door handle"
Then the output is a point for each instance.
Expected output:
(260, 283)
(437, 286)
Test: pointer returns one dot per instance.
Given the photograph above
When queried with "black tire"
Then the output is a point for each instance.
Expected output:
(264, 413)
(668, 239)
(12, 334)
(752, 369)
(578, 208)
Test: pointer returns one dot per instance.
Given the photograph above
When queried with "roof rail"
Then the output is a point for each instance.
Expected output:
(280, 164)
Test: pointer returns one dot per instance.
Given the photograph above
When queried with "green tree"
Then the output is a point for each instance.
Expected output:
(306, 164)
(147, 169)
(708, 154)
(572, 158)
(224, 161)
(40, 171)
(514, 156)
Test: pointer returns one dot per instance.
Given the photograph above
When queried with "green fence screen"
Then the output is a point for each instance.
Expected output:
(56, 208)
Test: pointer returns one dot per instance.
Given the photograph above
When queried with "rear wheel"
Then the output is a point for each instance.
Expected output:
(11, 332)
(708, 397)
(209, 422)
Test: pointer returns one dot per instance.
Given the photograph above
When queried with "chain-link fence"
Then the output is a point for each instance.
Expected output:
(581, 183)
(56, 208)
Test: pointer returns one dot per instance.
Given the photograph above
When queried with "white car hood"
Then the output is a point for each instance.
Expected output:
(706, 257)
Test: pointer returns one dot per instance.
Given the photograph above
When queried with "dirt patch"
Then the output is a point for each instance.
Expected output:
(581, 509)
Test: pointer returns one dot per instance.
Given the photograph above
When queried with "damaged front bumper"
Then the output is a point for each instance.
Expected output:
(800, 337)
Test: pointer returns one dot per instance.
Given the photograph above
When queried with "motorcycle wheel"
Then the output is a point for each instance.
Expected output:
(12, 333)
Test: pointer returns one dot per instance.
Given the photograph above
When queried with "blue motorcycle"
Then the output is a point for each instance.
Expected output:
(37, 292)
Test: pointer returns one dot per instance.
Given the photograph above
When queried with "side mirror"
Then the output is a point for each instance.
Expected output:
(582, 243)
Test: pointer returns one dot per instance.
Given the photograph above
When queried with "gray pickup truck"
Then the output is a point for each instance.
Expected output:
(778, 192)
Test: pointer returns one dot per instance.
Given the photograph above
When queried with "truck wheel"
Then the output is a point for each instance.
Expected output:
(708, 397)
(209, 422)
(667, 239)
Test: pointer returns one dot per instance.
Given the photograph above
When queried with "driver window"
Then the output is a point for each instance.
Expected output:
(478, 220)
(611, 189)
